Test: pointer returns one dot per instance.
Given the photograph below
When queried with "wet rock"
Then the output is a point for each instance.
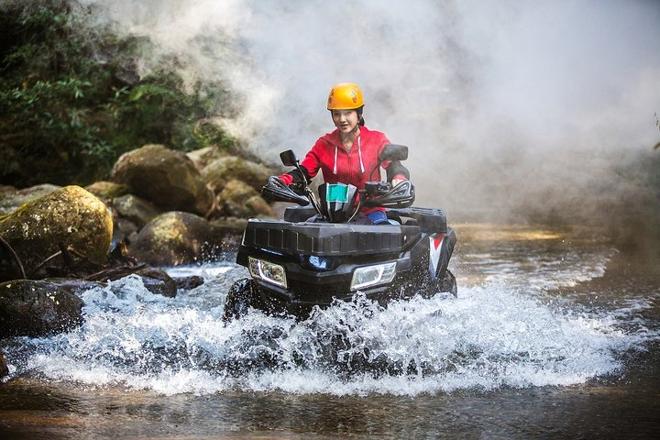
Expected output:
(124, 230)
(231, 229)
(10, 268)
(4, 370)
(165, 177)
(158, 282)
(175, 238)
(219, 172)
(188, 283)
(69, 216)
(204, 156)
(257, 206)
(12, 200)
(136, 210)
(107, 191)
(4, 189)
(40, 307)
(238, 199)
(229, 225)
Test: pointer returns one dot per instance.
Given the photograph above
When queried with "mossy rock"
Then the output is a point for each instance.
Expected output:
(106, 190)
(204, 156)
(70, 216)
(219, 172)
(133, 208)
(5, 189)
(229, 225)
(175, 238)
(12, 200)
(164, 177)
(238, 199)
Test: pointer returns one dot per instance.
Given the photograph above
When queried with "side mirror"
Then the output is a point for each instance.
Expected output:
(394, 152)
(288, 158)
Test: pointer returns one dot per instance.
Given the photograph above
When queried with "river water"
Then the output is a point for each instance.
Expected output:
(554, 334)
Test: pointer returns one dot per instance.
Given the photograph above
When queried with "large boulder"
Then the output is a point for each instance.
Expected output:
(165, 177)
(217, 173)
(70, 216)
(175, 238)
(134, 209)
(107, 191)
(12, 200)
(204, 156)
(40, 307)
(238, 199)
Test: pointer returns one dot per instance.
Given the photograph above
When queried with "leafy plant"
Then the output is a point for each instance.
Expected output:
(72, 99)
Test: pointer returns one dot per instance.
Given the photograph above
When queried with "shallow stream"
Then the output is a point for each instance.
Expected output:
(555, 333)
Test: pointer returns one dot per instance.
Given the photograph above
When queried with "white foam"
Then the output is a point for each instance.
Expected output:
(488, 337)
(207, 271)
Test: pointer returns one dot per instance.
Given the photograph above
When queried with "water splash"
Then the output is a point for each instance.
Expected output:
(491, 336)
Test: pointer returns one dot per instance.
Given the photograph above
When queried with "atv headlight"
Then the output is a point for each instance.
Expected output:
(373, 275)
(267, 271)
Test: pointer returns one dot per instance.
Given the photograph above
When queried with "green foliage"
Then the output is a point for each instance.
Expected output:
(72, 101)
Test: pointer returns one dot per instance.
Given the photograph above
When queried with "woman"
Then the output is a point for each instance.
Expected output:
(350, 153)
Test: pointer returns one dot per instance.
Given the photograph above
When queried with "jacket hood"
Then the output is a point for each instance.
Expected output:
(334, 140)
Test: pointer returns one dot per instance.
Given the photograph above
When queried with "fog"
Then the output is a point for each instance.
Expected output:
(512, 110)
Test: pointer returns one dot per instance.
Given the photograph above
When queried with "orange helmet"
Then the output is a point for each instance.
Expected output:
(345, 96)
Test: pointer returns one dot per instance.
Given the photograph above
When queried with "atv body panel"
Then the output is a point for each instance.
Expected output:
(320, 259)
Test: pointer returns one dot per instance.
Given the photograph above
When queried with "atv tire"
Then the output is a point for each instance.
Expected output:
(242, 295)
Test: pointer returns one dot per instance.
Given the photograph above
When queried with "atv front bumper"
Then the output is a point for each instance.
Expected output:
(308, 285)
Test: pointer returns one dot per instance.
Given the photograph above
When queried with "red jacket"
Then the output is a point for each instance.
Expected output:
(355, 167)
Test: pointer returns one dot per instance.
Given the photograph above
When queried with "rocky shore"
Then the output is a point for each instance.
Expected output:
(160, 207)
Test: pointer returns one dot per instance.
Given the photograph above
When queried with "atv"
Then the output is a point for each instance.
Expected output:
(320, 252)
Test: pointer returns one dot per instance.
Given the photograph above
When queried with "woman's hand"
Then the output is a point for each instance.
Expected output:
(398, 179)
(285, 178)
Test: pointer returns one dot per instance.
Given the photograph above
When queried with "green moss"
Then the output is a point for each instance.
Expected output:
(71, 216)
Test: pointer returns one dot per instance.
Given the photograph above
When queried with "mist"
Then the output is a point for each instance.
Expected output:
(512, 110)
